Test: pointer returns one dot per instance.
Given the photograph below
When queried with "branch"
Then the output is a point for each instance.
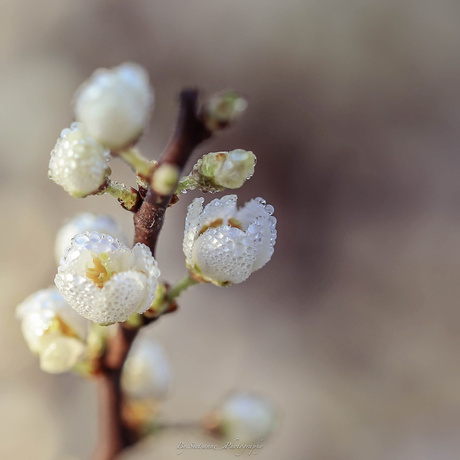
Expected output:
(115, 435)
(190, 132)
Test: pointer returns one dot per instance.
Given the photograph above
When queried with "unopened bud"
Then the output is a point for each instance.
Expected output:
(164, 179)
(222, 109)
(228, 169)
(114, 105)
(244, 416)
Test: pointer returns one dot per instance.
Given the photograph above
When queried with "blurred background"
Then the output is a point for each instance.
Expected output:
(352, 329)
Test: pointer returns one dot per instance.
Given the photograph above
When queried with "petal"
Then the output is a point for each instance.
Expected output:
(60, 354)
(222, 208)
(120, 297)
(192, 227)
(222, 255)
(257, 207)
(79, 292)
(267, 238)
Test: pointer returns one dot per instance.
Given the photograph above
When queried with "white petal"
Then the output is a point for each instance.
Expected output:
(79, 292)
(86, 222)
(192, 227)
(222, 208)
(119, 298)
(39, 311)
(222, 255)
(146, 373)
(60, 354)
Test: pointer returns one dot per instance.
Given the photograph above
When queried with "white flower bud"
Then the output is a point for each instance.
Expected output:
(246, 417)
(78, 163)
(47, 322)
(104, 280)
(146, 373)
(223, 244)
(86, 222)
(222, 109)
(227, 169)
(114, 105)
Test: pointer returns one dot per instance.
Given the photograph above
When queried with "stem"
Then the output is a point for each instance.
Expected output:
(181, 286)
(115, 435)
(190, 132)
(186, 183)
(128, 197)
(138, 163)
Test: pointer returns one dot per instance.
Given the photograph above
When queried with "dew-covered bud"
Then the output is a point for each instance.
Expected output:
(222, 109)
(146, 373)
(86, 222)
(78, 163)
(104, 280)
(114, 105)
(245, 417)
(223, 244)
(52, 329)
(225, 169)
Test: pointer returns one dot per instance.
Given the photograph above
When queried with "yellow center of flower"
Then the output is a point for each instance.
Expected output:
(218, 222)
(100, 274)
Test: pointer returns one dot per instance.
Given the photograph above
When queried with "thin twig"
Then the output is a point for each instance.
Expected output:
(115, 435)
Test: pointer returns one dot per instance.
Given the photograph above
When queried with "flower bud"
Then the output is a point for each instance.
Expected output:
(52, 329)
(105, 281)
(223, 244)
(228, 169)
(146, 373)
(78, 163)
(86, 222)
(164, 179)
(245, 417)
(114, 105)
(222, 109)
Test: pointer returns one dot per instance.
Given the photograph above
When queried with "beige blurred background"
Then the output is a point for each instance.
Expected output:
(353, 328)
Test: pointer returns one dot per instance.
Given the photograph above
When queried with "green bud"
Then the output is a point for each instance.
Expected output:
(222, 109)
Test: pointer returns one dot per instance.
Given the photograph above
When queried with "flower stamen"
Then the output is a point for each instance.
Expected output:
(98, 275)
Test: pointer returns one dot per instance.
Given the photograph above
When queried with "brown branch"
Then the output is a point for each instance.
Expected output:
(115, 435)
(190, 132)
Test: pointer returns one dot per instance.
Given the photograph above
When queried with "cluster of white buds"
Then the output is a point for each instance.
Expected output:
(52, 330)
(112, 109)
(104, 280)
(217, 171)
(78, 163)
(245, 417)
(223, 244)
(86, 222)
(146, 373)
(114, 105)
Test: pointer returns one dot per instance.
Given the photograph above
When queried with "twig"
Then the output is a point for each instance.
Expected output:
(114, 434)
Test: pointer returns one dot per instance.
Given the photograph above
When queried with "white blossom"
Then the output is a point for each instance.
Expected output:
(247, 417)
(114, 105)
(146, 373)
(104, 280)
(78, 163)
(52, 330)
(223, 244)
(86, 222)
